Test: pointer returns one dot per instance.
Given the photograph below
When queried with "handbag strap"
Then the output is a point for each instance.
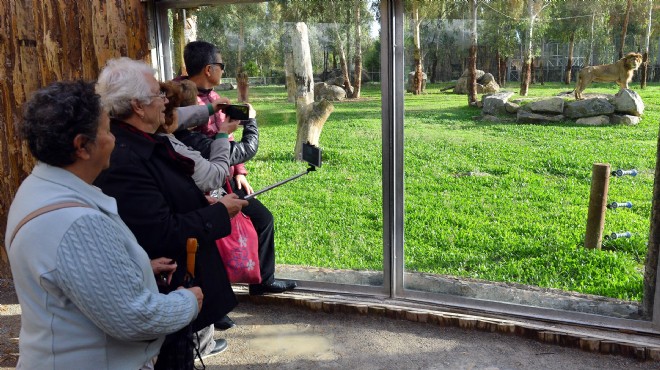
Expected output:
(228, 184)
(43, 210)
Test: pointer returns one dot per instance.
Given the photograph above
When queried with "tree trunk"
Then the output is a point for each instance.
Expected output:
(624, 29)
(472, 59)
(342, 61)
(242, 80)
(178, 42)
(184, 30)
(526, 76)
(417, 52)
(47, 41)
(357, 82)
(289, 76)
(569, 62)
(310, 116)
(645, 58)
(243, 85)
(651, 264)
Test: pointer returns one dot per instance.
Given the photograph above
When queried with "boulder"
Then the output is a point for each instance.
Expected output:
(494, 103)
(629, 102)
(226, 86)
(552, 105)
(594, 121)
(331, 93)
(524, 116)
(625, 120)
(335, 81)
(588, 108)
(511, 107)
(489, 88)
(318, 87)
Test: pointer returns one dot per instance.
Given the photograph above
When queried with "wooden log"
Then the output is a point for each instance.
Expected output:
(600, 178)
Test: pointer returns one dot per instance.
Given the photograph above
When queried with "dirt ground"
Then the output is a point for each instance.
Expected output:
(289, 337)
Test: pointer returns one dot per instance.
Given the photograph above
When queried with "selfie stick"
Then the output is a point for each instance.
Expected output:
(250, 196)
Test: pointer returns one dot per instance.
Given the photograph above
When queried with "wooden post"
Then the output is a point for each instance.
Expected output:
(600, 178)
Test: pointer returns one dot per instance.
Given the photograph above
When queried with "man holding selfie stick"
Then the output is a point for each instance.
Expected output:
(205, 67)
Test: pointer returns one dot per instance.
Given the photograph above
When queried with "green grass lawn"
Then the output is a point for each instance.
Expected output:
(495, 201)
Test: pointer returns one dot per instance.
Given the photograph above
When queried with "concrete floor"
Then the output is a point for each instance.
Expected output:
(307, 331)
(285, 336)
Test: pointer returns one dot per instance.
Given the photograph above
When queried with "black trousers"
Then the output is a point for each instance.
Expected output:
(264, 224)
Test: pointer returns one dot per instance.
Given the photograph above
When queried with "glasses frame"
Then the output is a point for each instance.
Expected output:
(162, 95)
(222, 65)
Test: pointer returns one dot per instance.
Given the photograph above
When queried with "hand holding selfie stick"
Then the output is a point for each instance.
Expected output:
(310, 154)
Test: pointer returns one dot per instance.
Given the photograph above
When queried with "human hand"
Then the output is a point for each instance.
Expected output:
(242, 183)
(227, 126)
(252, 113)
(197, 291)
(164, 265)
(233, 203)
(211, 200)
(219, 103)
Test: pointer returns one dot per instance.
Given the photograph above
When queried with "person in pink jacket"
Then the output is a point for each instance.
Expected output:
(205, 68)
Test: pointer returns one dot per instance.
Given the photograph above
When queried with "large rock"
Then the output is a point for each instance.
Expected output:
(494, 104)
(625, 120)
(629, 102)
(330, 93)
(489, 88)
(594, 121)
(588, 108)
(524, 116)
(553, 105)
(226, 86)
(335, 81)
(318, 87)
(486, 83)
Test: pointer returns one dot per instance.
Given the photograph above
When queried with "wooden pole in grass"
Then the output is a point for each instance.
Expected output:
(600, 179)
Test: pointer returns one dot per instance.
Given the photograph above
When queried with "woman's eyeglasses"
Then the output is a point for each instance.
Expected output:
(161, 95)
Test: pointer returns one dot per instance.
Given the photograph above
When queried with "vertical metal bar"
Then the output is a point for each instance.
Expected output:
(392, 132)
(163, 60)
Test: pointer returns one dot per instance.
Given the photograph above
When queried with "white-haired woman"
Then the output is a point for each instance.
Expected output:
(158, 199)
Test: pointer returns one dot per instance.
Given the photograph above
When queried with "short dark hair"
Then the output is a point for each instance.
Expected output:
(197, 55)
(54, 116)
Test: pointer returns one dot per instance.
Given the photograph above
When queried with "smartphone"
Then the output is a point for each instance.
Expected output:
(237, 111)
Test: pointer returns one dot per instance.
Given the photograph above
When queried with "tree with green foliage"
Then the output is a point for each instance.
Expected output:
(534, 9)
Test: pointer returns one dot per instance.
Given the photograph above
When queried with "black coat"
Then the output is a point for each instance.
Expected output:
(160, 203)
(240, 152)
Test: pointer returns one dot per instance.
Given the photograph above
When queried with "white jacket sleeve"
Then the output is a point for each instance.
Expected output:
(96, 272)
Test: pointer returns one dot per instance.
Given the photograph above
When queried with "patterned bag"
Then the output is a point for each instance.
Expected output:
(240, 250)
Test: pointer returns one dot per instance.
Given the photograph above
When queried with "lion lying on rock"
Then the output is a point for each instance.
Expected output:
(620, 72)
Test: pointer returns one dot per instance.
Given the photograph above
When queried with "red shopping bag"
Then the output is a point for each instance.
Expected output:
(240, 250)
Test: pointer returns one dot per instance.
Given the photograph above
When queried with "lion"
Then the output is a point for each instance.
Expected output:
(620, 72)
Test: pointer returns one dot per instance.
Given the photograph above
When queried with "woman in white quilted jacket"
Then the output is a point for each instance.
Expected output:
(88, 293)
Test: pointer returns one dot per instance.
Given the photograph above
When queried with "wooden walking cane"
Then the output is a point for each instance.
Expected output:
(191, 249)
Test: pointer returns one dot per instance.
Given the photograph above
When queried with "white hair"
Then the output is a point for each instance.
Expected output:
(121, 81)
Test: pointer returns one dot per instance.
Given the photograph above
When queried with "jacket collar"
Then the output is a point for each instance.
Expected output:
(87, 193)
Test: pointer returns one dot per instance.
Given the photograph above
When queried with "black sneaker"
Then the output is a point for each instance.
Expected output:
(276, 286)
(224, 323)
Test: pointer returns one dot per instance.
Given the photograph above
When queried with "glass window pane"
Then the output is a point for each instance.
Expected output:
(327, 223)
(496, 201)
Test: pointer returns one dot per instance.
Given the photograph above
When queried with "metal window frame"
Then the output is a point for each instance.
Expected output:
(392, 89)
